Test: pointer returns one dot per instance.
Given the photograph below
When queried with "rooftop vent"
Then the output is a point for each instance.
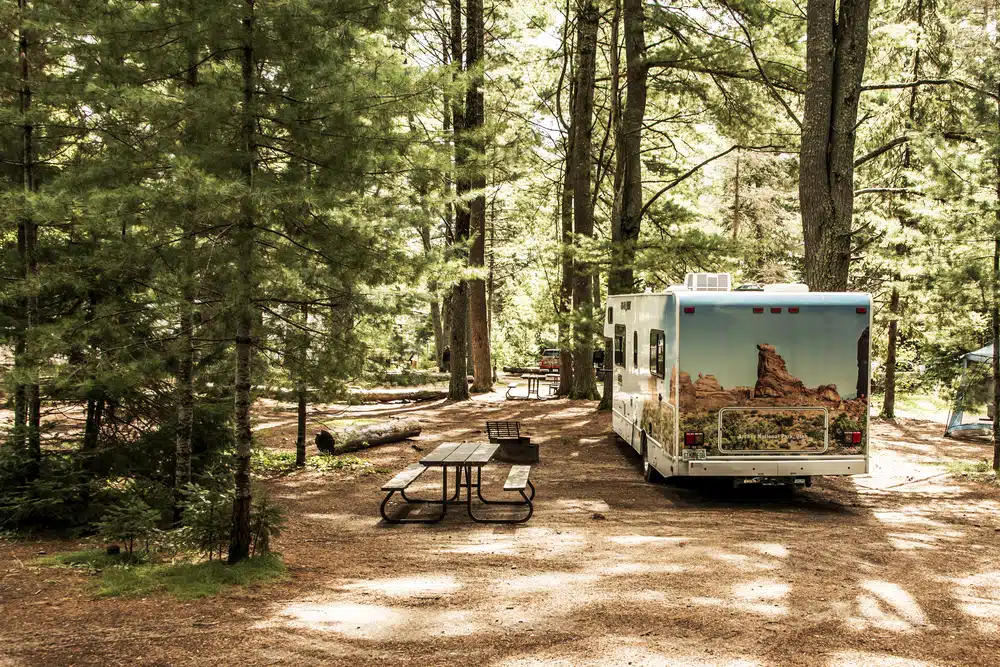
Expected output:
(708, 282)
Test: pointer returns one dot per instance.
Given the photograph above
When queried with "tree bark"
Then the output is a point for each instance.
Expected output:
(895, 305)
(889, 404)
(584, 381)
(458, 388)
(482, 365)
(185, 371)
(28, 412)
(239, 541)
(836, 49)
(995, 314)
(566, 286)
(300, 434)
(625, 231)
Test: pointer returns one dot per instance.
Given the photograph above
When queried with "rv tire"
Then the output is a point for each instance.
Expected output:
(649, 473)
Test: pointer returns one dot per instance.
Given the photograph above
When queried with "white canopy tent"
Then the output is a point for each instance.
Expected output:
(975, 389)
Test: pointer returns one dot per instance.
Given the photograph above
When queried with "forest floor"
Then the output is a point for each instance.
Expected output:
(900, 568)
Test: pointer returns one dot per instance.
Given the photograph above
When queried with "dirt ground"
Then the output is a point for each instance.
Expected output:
(900, 568)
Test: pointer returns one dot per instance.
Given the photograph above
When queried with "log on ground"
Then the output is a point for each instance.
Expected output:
(389, 395)
(352, 438)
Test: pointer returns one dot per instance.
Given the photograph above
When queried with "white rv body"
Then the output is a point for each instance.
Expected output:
(748, 414)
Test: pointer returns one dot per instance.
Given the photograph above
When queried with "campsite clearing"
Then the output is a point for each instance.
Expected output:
(898, 568)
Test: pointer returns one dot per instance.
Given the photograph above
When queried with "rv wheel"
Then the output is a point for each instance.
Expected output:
(649, 473)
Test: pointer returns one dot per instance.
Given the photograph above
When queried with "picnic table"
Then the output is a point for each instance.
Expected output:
(463, 457)
(534, 384)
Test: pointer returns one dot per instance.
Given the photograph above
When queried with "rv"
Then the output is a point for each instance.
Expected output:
(766, 384)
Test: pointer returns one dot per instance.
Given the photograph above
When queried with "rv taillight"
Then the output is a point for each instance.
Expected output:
(689, 310)
(793, 309)
(758, 310)
(776, 310)
(861, 311)
(852, 437)
(694, 439)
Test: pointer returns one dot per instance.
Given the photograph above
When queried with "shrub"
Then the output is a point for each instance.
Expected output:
(55, 499)
(207, 518)
(266, 521)
(130, 522)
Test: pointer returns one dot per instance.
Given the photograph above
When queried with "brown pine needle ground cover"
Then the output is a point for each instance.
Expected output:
(900, 568)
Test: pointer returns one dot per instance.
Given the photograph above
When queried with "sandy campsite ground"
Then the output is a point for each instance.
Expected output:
(900, 568)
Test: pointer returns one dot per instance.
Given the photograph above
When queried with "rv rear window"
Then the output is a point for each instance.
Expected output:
(657, 353)
(619, 345)
(635, 349)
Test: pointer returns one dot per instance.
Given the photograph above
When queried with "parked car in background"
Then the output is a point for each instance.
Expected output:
(549, 360)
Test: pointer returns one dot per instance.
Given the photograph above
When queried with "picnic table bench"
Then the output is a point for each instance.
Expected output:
(463, 457)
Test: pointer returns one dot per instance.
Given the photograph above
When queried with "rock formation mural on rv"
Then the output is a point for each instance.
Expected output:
(778, 413)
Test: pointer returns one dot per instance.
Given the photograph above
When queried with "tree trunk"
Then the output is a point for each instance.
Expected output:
(28, 412)
(566, 286)
(185, 371)
(889, 404)
(239, 542)
(482, 365)
(995, 315)
(458, 388)
(902, 249)
(625, 232)
(584, 381)
(300, 434)
(835, 62)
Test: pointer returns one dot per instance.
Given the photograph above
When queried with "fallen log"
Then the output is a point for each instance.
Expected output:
(387, 395)
(353, 438)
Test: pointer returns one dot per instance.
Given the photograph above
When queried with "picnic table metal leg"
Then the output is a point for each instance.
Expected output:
(526, 502)
(443, 503)
(444, 483)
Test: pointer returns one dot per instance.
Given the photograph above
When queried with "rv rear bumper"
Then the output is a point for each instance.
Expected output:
(787, 467)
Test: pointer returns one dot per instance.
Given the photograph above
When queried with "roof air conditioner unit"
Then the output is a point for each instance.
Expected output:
(708, 282)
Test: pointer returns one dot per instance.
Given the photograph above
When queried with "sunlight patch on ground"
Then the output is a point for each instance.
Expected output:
(633, 540)
(433, 586)
(762, 597)
(887, 606)
(579, 505)
(769, 549)
(978, 595)
(857, 658)
(620, 569)
(364, 621)
(913, 541)
(742, 561)
(635, 651)
(543, 582)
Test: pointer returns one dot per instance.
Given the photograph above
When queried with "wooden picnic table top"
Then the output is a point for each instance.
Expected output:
(461, 454)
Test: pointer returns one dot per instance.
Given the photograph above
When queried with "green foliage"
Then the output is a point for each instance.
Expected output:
(345, 462)
(184, 581)
(207, 515)
(978, 471)
(130, 522)
(55, 499)
(266, 521)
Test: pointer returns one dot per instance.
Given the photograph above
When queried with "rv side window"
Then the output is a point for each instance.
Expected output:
(635, 349)
(657, 353)
(619, 345)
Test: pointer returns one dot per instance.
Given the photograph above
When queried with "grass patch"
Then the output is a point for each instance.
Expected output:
(273, 462)
(977, 471)
(184, 581)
